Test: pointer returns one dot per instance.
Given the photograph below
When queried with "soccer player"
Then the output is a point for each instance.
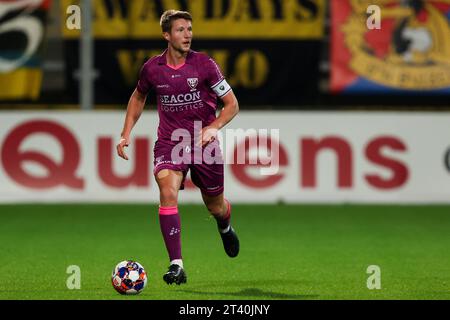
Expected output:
(187, 84)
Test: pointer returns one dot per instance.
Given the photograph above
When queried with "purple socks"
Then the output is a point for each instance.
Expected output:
(224, 222)
(169, 221)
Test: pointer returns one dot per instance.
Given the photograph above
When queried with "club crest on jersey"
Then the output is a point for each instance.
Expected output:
(192, 82)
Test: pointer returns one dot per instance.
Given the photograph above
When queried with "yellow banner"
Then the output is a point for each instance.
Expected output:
(418, 66)
(212, 19)
(24, 83)
(400, 76)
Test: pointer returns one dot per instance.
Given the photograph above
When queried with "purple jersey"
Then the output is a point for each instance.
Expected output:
(185, 94)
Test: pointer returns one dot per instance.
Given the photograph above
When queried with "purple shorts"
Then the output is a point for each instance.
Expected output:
(207, 175)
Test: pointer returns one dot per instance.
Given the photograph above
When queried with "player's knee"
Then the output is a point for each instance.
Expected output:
(168, 194)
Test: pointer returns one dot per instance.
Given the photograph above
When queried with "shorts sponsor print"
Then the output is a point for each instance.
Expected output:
(208, 177)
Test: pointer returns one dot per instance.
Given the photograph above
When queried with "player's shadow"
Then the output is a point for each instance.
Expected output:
(254, 292)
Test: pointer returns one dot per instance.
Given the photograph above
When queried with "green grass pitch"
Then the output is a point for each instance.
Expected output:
(290, 252)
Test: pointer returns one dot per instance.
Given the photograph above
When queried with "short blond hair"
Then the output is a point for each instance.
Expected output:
(170, 15)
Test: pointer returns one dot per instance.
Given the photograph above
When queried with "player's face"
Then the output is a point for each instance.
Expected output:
(180, 37)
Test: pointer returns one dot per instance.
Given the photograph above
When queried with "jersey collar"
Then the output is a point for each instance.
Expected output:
(162, 58)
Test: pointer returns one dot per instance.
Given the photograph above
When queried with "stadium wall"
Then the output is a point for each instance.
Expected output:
(328, 157)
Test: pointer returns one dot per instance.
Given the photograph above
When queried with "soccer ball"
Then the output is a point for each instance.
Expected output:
(129, 277)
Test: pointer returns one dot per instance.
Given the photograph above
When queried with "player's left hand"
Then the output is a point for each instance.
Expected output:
(207, 135)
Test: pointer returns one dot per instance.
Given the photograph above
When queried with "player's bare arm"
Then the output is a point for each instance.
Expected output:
(229, 111)
(134, 110)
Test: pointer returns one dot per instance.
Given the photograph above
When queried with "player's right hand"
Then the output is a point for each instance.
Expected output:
(124, 142)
